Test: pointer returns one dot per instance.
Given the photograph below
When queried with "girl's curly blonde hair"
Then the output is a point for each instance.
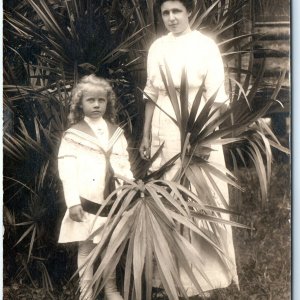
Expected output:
(84, 84)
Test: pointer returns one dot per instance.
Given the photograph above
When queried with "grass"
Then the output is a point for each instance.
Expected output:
(263, 256)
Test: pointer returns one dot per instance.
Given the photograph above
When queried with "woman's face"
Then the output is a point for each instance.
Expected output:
(175, 17)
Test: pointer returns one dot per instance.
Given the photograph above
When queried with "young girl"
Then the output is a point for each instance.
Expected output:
(90, 151)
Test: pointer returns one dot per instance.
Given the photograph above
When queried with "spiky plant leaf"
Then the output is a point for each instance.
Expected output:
(145, 227)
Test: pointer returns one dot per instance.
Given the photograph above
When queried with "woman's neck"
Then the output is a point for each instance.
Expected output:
(186, 31)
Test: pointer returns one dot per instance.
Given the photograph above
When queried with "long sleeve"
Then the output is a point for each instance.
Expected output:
(68, 173)
(215, 78)
(152, 69)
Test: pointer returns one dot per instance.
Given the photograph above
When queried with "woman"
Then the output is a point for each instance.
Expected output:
(184, 48)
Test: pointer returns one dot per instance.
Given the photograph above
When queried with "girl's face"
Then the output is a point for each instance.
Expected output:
(93, 103)
(175, 17)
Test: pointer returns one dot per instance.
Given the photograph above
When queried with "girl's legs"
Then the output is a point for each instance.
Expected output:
(111, 290)
(85, 274)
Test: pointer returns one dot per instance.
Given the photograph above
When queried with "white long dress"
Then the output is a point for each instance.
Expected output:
(201, 57)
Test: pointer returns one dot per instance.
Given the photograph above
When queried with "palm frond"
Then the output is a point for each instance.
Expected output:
(145, 228)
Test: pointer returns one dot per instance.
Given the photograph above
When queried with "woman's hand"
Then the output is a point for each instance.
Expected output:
(76, 213)
(203, 151)
(145, 148)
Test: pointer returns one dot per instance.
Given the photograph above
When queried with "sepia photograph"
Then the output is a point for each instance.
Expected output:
(146, 150)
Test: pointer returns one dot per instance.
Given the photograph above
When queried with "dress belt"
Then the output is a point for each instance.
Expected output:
(92, 207)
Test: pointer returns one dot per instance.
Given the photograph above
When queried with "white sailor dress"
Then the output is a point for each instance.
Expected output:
(82, 169)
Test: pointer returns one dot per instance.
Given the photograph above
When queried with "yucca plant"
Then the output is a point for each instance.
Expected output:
(143, 222)
(143, 227)
(258, 140)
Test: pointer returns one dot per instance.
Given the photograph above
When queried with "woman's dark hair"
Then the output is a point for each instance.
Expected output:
(188, 4)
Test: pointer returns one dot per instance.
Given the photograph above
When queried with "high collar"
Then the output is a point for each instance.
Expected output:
(181, 36)
(87, 127)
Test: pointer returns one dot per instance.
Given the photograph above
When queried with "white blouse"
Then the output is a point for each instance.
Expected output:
(194, 51)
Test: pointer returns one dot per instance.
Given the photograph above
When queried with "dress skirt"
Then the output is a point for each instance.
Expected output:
(80, 231)
(164, 130)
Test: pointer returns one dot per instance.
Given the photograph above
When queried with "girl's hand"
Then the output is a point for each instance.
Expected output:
(145, 148)
(76, 213)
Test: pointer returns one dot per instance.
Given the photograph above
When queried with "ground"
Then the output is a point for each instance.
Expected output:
(263, 255)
